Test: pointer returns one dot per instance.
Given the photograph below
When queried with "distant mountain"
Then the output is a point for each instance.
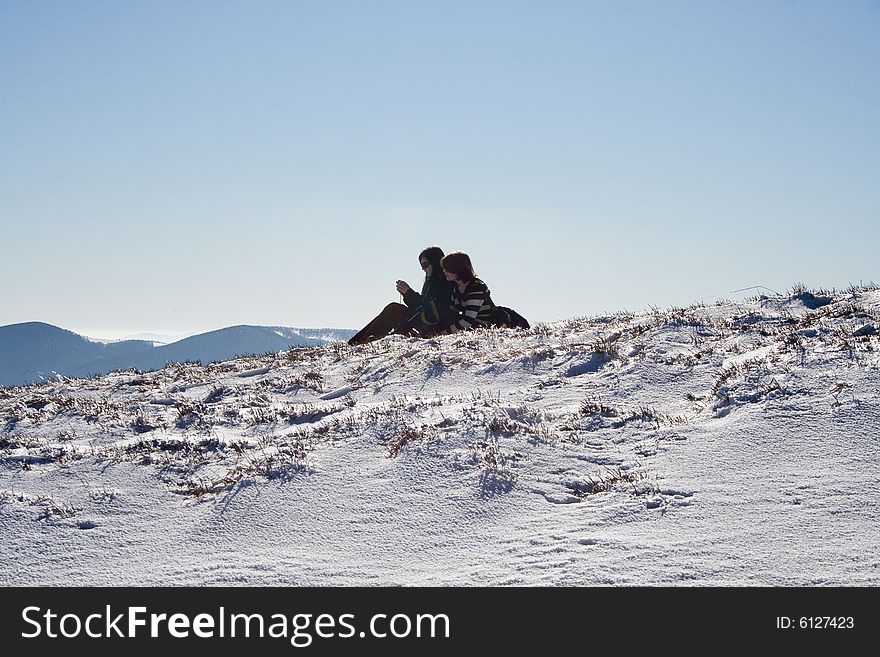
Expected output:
(222, 344)
(161, 338)
(35, 351)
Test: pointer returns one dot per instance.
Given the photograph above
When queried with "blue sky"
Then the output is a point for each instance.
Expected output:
(191, 165)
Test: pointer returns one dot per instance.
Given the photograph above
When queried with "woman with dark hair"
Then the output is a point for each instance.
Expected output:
(422, 313)
(471, 299)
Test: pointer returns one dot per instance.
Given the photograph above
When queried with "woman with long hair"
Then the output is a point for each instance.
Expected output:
(422, 313)
(471, 300)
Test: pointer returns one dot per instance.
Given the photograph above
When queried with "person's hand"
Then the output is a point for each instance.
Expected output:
(402, 287)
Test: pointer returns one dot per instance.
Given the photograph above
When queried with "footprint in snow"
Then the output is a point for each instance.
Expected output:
(339, 392)
(256, 372)
(561, 498)
(591, 365)
(655, 502)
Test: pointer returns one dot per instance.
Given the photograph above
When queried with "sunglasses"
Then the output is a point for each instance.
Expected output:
(425, 264)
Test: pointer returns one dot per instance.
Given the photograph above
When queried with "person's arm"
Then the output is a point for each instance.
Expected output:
(412, 298)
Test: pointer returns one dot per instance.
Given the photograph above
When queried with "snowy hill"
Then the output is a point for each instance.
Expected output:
(34, 351)
(711, 445)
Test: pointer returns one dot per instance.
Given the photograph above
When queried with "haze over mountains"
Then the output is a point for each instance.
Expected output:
(35, 351)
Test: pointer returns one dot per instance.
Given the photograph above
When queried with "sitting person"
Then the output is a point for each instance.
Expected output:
(471, 301)
(422, 313)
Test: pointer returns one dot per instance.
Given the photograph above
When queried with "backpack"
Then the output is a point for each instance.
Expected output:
(503, 316)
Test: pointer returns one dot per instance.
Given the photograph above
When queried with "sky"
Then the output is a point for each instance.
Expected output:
(179, 167)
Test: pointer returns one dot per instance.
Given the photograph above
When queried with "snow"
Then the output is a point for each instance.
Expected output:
(339, 392)
(733, 444)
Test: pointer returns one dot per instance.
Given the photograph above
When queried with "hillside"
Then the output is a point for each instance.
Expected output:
(732, 444)
(35, 351)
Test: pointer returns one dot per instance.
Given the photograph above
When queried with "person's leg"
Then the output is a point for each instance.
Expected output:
(416, 327)
(411, 327)
(391, 316)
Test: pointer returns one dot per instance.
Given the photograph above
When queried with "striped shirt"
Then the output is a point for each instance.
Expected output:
(474, 306)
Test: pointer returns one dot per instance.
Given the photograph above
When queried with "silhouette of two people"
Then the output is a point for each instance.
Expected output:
(420, 314)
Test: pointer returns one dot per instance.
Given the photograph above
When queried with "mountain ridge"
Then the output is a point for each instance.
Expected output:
(34, 351)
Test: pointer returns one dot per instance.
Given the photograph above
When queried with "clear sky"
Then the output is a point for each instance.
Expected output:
(180, 166)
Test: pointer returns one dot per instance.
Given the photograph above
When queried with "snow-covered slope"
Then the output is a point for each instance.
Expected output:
(731, 444)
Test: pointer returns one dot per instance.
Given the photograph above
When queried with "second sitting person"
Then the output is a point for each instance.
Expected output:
(471, 300)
